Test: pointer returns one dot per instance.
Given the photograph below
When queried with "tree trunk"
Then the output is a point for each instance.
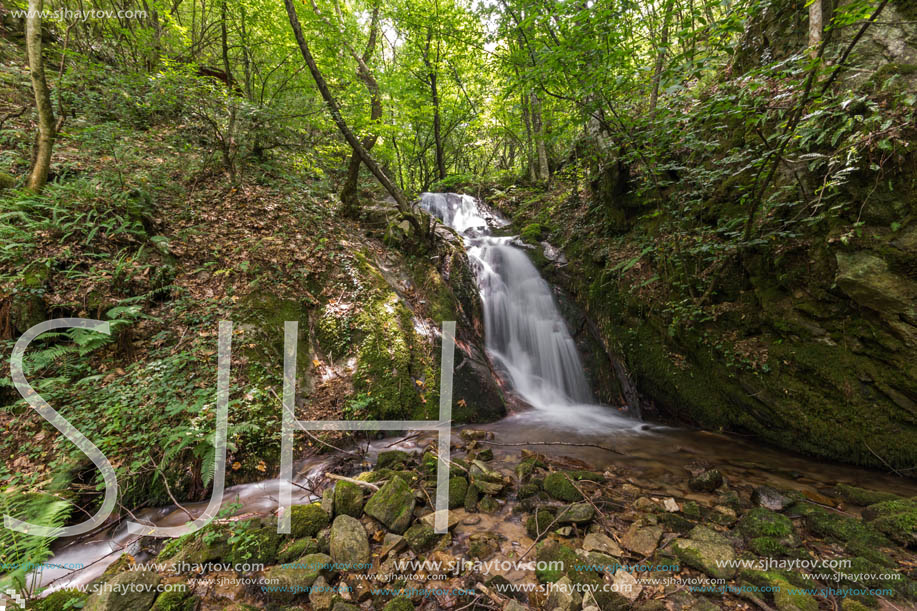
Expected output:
(437, 124)
(815, 27)
(403, 206)
(660, 59)
(349, 196)
(537, 126)
(46, 132)
(529, 147)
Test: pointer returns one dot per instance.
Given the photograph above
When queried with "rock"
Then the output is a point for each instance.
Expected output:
(553, 255)
(206, 546)
(644, 504)
(455, 516)
(670, 505)
(307, 520)
(399, 604)
(7, 181)
(578, 513)
(602, 543)
(866, 279)
(392, 459)
(174, 600)
(485, 455)
(769, 498)
(626, 585)
(563, 596)
(420, 537)
(321, 596)
(300, 574)
(537, 523)
(297, 549)
(642, 539)
(723, 515)
(327, 503)
(342, 606)
(391, 543)
(559, 487)
(703, 550)
(137, 592)
(790, 598)
(475, 434)
(897, 519)
(349, 544)
(483, 545)
(761, 522)
(863, 497)
(458, 487)
(471, 498)
(512, 605)
(488, 504)
(708, 481)
(392, 505)
(598, 562)
(553, 561)
(348, 499)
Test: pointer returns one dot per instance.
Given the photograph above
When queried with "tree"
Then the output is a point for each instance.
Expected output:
(44, 143)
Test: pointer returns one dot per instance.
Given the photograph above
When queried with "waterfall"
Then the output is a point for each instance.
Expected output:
(525, 334)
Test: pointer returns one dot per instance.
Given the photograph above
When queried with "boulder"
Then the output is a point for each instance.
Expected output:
(559, 487)
(392, 505)
(307, 520)
(348, 499)
(349, 545)
(129, 591)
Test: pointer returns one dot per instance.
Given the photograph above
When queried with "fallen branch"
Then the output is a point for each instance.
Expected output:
(554, 443)
(352, 481)
(165, 481)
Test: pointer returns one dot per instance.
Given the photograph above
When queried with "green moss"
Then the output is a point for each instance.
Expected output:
(458, 487)
(559, 487)
(395, 366)
(761, 522)
(307, 520)
(532, 232)
(399, 604)
(843, 528)
(61, 599)
(175, 601)
(863, 497)
(767, 546)
(554, 560)
(896, 518)
(297, 549)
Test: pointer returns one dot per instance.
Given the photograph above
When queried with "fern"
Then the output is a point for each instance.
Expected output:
(25, 551)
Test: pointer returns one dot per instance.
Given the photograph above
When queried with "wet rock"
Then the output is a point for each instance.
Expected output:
(471, 498)
(392, 505)
(137, 591)
(770, 498)
(458, 487)
(528, 490)
(562, 596)
(349, 544)
(420, 537)
(642, 539)
(307, 520)
(486, 480)
(863, 497)
(602, 543)
(348, 499)
(705, 550)
(392, 459)
(321, 596)
(485, 455)
(483, 545)
(578, 513)
(488, 504)
(559, 487)
(475, 434)
(708, 481)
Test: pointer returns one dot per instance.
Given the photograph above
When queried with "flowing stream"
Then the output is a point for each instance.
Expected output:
(528, 341)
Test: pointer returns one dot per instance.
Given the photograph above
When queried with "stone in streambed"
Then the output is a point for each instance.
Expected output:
(392, 505)
(578, 513)
(602, 543)
(135, 590)
(420, 537)
(769, 498)
(392, 459)
(349, 544)
(708, 481)
(642, 539)
(563, 596)
(705, 550)
(559, 487)
(297, 575)
(458, 487)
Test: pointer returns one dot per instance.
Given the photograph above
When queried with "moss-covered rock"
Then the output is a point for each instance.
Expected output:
(559, 487)
(129, 591)
(175, 600)
(399, 604)
(60, 599)
(348, 499)
(393, 459)
(761, 522)
(553, 561)
(708, 481)
(392, 505)
(862, 496)
(896, 518)
(297, 549)
(420, 537)
(707, 551)
(292, 579)
(537, 523)
(458, 486)
(307, 520)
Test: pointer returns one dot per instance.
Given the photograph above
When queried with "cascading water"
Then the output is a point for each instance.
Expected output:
(525, 334)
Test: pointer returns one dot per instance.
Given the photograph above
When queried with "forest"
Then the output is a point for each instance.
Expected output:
(677, 240)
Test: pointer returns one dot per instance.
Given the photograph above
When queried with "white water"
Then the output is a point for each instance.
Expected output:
(526, 336)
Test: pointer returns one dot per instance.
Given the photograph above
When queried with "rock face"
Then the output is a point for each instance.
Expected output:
(393, 505)
(866, 279)
(349, 545)
(138, 598)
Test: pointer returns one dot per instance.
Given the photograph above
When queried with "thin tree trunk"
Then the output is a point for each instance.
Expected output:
(437, 123)
(46, 132)
(815, 27)
(529, 147)
(537, 126)
(660, 59)
(403, 206)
